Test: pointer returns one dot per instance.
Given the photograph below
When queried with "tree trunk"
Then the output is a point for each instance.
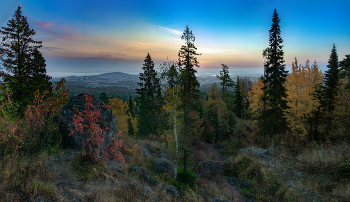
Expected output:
(175, 133)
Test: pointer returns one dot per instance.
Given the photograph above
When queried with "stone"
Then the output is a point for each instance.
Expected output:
(145, 152)
(140, 170)
(127, 159)
(163, 166)
(107, 122)
(145, 191)
(149, 180)
(171, 189)
(114, 167)
(259, 152)
(210, 169)
(238, 182)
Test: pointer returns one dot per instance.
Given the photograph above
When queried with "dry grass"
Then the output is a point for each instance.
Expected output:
(324, 157)
(25, 178)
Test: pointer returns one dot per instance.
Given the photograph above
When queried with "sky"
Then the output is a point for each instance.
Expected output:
(87, 37)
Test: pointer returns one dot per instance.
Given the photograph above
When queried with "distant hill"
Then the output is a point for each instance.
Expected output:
(119, 84)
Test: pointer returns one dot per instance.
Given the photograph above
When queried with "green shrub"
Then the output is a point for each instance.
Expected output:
(185, 178)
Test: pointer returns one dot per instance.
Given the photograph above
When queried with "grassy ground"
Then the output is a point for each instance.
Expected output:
(318, 170)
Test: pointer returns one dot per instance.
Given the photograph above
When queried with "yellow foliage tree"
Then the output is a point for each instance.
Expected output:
(215, 102)
(300, 85)
(254, 99)
(119, 109)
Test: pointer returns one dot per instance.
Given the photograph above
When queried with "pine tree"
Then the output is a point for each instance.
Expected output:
(130, 125)
(187, 61)
(149, 97)
(273, 117)
(331, 87)
(104, 97)
(238, 99)
(345, 70)
(131, 105)
(226, 81)
(23, 62)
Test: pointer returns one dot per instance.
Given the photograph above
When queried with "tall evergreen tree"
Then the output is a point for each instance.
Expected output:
(130, 126)
(149, 96)
(226, 81)
(238, 99)
(131, 107)
(187, 61)
(23, 62)
(273, 116)
(345, 70)
(331, 87)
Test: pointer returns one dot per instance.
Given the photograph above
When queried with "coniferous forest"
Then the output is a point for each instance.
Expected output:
(284, 137)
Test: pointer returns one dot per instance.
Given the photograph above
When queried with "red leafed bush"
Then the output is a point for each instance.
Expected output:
(87, 121)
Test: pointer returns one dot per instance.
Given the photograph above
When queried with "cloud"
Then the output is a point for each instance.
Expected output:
(51, 48)
(44, 24)
(173, 31)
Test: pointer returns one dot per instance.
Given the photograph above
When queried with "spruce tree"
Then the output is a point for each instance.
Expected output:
(104, 97)
(23, 62)
(238, 99)
(331, 87)
(130, 126)
(131, 107)
(149, 97)
(273, 116)
(226, 81)
(187, 62)
(345, 70)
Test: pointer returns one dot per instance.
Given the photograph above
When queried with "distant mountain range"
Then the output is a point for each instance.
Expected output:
(129, 81)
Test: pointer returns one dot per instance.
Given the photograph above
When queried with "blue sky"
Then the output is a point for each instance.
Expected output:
(91, 37)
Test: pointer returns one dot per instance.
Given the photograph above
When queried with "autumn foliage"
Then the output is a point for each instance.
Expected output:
(87, 122)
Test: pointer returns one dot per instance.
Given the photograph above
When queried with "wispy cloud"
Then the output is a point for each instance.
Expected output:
(51, 48)
(173, 31)
(44, 24)
(260, 34)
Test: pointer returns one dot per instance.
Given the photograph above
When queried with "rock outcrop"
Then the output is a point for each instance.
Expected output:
(163, 166)
(106, 121)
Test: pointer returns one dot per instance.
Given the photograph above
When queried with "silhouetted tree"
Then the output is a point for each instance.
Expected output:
(238, 99)
(331, 87)
(187, 61)
(23, 62)
(226, 81)
(272, 118)
(149, 96)
(345, 70)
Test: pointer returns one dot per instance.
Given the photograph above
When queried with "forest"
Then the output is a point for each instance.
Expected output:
(305, 113)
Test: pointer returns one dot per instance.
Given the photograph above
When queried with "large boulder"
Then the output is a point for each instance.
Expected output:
(163, 166)
(210, 169)
(171, 189)
(106, 121)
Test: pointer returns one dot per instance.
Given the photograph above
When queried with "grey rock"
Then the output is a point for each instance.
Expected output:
(127, 159)
(220, 200)
(238, 182)
(259, 152)
(211, 169)
(145, 191)
(107, 122)
(163, 166)
(171, 189)
(145, 152)
(140, 170)
(148, 180)
(114, 167)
